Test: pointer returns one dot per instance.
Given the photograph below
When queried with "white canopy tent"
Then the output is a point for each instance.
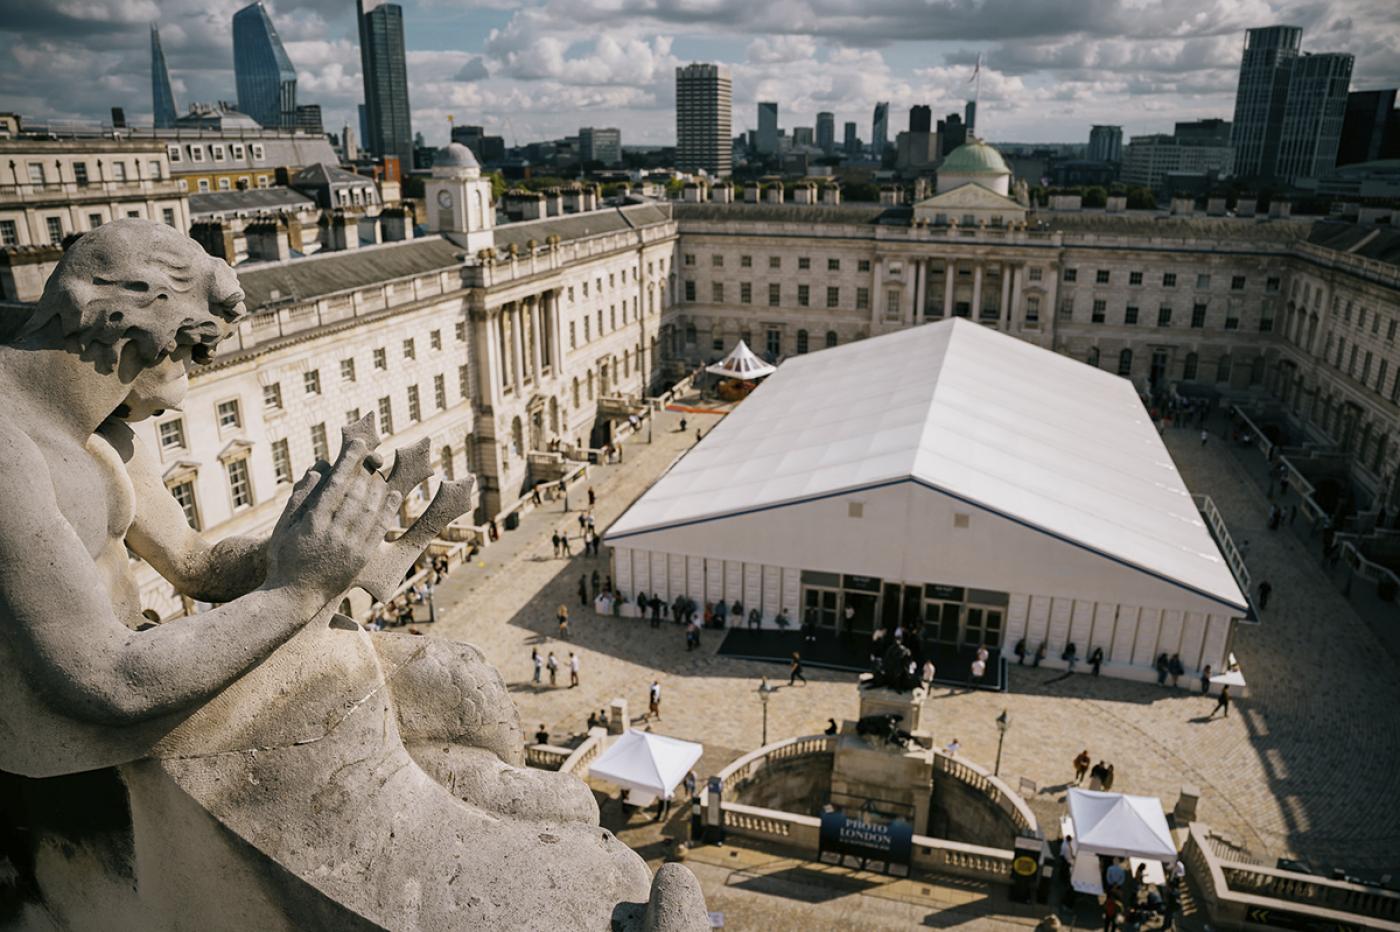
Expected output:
(646, 765)
(741, 363)
(1116, 825)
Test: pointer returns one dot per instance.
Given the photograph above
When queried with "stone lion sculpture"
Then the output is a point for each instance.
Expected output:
(268, 764)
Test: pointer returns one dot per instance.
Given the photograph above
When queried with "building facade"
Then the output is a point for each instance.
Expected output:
(880, 129)
(1148, 160)
(1371, 128)
(826, 131)
(703, 127)
(264, 75)
(767, 138)
(388, 128)
(1106, 144)
(597, 144)
(1265, 67)
(1313, 116)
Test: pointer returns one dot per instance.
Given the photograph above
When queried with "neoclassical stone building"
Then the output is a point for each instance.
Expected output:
(1215, 304)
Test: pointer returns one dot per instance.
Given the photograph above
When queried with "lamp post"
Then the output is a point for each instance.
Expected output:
(1003, 722)
(764, 691)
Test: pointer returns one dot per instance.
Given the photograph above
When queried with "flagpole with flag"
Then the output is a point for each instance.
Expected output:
(976, 82)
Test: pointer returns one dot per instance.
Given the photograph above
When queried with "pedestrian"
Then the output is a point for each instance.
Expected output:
(1096, 659)
(1222, 703)
(583, 591)
(1178, 670)
(691, 783)
(573, 669)
(698, 435)
(1039, 654)
(552, 665)
(1163, 668)
(592, 497)
(796, 668)
(1081, 766)
(563, 616)
(535, 495)
(692, 636)
(564, 543)
(1265, 590)
(1110, 905)
(1096, 775)
(953, 748)
(755, 620)
(682, 425)
(1108, 779)
(1205, 435)
(541, 736)
(556, 543)
(537, 662)
(928, 673)
(1205, 680)
(655, 610)
(979, 669)
(607, 584)
(654, 701)
(1021, 652)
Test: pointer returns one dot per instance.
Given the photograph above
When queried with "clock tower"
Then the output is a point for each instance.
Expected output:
(459, 199)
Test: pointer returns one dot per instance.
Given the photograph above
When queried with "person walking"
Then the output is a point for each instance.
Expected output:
(597, 584)
(927, 675)
(592, 497)
(564, 543)
(563, 616)
(1265, 590)
(1108, 778)
(1205, 680)
(1222, 703)
(573, 669)
(1081, 766)
(555, 540)
(537, 662)
(1176, 668)
(796, 668)
(1110, 904)
(1096, 775)
(552, 665)
(1205, 435)
(583, 591)
(1096, 659)
(654, 701)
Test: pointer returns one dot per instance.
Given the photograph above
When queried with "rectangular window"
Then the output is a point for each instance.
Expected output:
(688, 259)
(352, 415)
(347, 370)
(1202, 281)
(1198, 316)
(183, 493)
(689, 291)
(1034, 274)
(1168, 279)
(573, 335)
(459, 330)
(80, 174)
(775, 294)
(1381, 372)
(1066, 308)
(228, 414)
(415, 407)
(1130, 315)
(204, 186)
(1071, 275)
(775, 342)
(803, 263)
(833, 265)
(1232, 319)
(440, 392)
(1032, 312)
(833, 296)
(862, 299)
(119, 171)
(746, 292)
(1266, 323)
(587, 329)
(167, 216)
(55, 229)
(464, 382)
(1100, 308)
(319, 447)
(716, 261)
(746, 262)
(862, 265)
(803, 295)
(1134, 278)
(216, 152)
(311, 381)
(409, 352)
(9, 233)
(272, 396)
(717, 292)
(173, 153)
(239, 486)
(172, 434)
(1164, 316)
(892, 304)
(1271, 284)
(94, 221)
(36, 172)
(281, 462)
(1237, 283)
(258, 151)
(1101, 277)
(381, 358)
(435, 339)
(386, 416)
(775, 262)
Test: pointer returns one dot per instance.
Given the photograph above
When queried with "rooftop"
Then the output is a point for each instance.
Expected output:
(253, 200)
(310, 277)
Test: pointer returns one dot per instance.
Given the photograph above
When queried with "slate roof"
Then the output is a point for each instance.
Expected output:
(577, 226)
(324, 173)
(327, 273)
(253, 200)
(863, 213)
(1381, 244)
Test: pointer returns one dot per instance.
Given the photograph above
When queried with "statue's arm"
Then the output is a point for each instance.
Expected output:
(161, 536)
(76, 652)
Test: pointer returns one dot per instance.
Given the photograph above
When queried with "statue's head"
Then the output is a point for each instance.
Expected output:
(143, 302)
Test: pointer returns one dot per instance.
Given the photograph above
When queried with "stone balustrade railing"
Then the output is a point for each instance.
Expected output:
(750, 764)
(586, 753)
(1236, 894)
(990, 786)
(546, 756)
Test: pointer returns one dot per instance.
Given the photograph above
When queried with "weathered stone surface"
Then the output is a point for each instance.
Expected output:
(267, 764)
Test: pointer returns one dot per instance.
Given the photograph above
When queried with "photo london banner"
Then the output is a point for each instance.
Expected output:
(892, 843)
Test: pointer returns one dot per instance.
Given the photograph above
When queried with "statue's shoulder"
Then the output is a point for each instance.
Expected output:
(23, 466)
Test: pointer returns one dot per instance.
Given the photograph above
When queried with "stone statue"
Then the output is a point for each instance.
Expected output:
(268, 764)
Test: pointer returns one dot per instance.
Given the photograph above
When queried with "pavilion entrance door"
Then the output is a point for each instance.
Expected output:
(942, 622)
(983, 625)
(822, 606)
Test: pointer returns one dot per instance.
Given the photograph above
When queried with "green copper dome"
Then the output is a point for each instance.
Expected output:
(974, 158)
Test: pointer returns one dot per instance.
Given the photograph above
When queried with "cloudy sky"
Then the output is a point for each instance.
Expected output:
(541, 69)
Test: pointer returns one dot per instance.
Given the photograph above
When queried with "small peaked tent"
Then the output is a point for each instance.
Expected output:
(646, 765)
(1119, 824)
(741, 363)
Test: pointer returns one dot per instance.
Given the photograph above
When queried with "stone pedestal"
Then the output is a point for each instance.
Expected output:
(870, 773)
(618, 721)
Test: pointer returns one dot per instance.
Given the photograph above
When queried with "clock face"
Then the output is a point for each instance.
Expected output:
(444, 198)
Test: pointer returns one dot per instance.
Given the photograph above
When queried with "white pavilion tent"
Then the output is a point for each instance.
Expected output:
(646, 765)
(957, 459)
(1117, 825)
(741, 363)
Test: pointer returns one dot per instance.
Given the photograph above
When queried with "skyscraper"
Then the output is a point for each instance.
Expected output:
(880, 129)
(1265, 69)
(852, 140)
(1371, 130)
(1106, 144)
(970, 117)
(162, 97)
(826, 131)
(767, 127)
(389, 128)
(703, 119)
(597, 144)
(1313, 115)
(920, 118)
(263, 74)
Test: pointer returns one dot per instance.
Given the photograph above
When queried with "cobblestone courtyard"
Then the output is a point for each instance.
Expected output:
(1307, 763)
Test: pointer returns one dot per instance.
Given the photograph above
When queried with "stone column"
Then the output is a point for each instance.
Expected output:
(537, 350)
(950, 278)
(920, 287)
(488, 359)
(517, 349)
(977, 291)
(1013, 312)
(877, 295)
(498, 324)
(1004, 310)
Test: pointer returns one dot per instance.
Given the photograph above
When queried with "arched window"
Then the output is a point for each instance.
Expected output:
(1093, 357)
(1125, 362)
(1222, 369)
(830, 339)
(1188, 370)
(590, 385)
(802, 341)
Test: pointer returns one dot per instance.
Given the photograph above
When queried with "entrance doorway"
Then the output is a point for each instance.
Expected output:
(862, 605)
(983, 625)
(1158, 373)
(821, 606)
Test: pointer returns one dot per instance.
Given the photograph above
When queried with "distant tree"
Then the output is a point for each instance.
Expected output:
(498, 186)
(1095, 197)
(860, 191)
(1141, 199)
